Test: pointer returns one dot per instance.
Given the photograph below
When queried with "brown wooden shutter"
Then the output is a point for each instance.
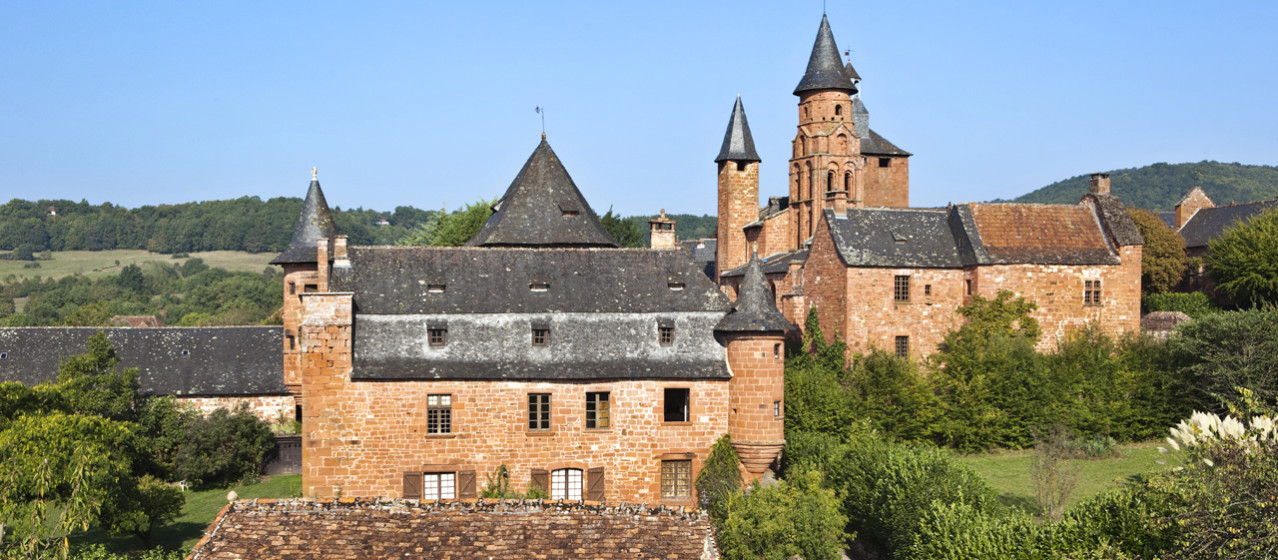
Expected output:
(466, 484)
(595, 484)
(412, 486)
(541, 477)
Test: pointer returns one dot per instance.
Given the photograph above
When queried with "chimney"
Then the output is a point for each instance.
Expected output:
(1099, 183)
(322, 263)
(339, 252)
(662, 232)
(838, 202)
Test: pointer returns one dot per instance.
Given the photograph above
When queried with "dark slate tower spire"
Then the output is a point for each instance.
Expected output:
(542, 208)
(825, 70)
(850, 72)
(738, 145)
(315, 222)
(755, 310)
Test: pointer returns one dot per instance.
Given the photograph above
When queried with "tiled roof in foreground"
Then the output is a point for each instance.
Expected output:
(375, 529)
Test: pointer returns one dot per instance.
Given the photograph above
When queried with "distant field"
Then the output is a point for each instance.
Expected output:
(102, 263)
(1009, 472)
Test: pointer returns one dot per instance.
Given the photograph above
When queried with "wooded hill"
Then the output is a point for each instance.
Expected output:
(1161, 185)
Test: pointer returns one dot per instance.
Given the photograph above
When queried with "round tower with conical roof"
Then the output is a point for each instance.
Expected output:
(738, 191)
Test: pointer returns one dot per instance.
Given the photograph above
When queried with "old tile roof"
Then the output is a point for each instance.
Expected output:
(755, 310)
(184, 361)
(314, 222)
(1210, 223)
(825, 70)
(738, 145)
(872, 144)
(704, 252)
(1041, 234)
(1115, 219)
(367, 529)
(542, 208)
(894, 237)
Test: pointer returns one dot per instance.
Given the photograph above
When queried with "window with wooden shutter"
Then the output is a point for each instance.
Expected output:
(595, 484)
(541, 479)
(412, 486)
(466, 484)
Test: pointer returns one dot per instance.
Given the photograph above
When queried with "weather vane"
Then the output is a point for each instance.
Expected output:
(314, 173)
(542, 112)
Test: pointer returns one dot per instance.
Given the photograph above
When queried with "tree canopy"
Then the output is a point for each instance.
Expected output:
(1163, 257)
(1243, 262)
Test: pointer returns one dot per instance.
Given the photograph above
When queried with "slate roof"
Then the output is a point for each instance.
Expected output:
(850, 72)
(825, 70)
(738, 145)
(894, 237)
(1210, 223)
(314, 222)
(184, 361)
(370, 529)
(772, 264)
(1168, 218)
(704, 252)
(755, 310)
(1117, 222)
(875, 145)
(542, 208)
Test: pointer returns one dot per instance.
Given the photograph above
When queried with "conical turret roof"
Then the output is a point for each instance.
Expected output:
(850, 72)
(315, 222)
(825, 70)
(737, 143)
(542, 208)
(755, 310)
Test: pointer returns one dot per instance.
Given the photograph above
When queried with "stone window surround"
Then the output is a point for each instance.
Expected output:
(549, 430)
(691, 410)
(607, 411)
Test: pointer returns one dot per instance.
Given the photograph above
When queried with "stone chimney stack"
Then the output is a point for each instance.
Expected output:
(322, 262)
(339, 252)
(838, 202)
(1099, 183)
(662, 232)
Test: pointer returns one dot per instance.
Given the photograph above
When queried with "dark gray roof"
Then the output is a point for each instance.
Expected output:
(403, 280)
(542, 208)
(1118, 223)
(825, 70)
(1210, 223)
(894, 237)
(875, 145)
(737, 143)
(755, 310)
(184, 361)
(704, 252)
(1168, 218)
(850, 72)
(315, 222)
(772, 264)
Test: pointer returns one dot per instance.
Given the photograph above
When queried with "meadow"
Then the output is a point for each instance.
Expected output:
(96, 264)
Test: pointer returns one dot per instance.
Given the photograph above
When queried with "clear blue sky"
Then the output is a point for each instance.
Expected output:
(427, 103)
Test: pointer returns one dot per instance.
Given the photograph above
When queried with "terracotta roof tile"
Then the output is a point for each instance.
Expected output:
(1041, 233)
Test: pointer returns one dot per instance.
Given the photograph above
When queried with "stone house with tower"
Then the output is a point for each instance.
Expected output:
(540, 348)
(887, 276)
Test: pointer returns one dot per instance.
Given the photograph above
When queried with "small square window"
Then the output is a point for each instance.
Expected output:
(598, 411)
(901, 289)
(1091, 292)
(677, 405)
(676, 480)
(540, 336)
(439, 414)
(308, 288)
(539, 411)
(885, 162)
(437, 335)
(665, 335)
(902, 346)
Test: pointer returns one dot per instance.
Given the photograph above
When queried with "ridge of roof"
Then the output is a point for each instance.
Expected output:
(825, 70)
(315, 222)
(738, 145)
(542, 208)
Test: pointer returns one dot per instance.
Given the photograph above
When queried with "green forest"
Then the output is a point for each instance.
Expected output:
(1161, 185)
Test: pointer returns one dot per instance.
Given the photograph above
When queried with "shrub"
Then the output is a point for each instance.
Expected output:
(214, 451)
(796, 516)
(1243, 261)
(720, 476)
(1219, 352)
(892, 394)
(1194, 304)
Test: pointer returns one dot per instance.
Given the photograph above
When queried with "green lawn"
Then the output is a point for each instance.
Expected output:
(1009, 472)
(101, 263)
(200, 509)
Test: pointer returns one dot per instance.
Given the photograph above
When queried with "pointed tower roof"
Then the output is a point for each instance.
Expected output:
(825, 70)
(542, 208)
(755, 310)
(850, 72)
(315, 222)
(737, 143)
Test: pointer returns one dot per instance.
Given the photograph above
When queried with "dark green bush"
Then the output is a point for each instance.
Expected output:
(796, 516)
(214, 451)
(1194, 304)
(1222, 351)
(720, 476)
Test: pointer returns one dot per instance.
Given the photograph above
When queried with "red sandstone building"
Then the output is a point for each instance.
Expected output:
(882, 275)
(591, 371)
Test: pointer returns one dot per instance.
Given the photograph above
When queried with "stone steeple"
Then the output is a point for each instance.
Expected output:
(738, 145)
(755, 310)
(738, 192)
(825, 70)
(314, 223)
(542, 208)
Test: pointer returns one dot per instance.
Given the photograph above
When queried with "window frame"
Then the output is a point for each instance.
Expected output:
(541, 336)
(665, 335)
(593, 410)
(564, 478)
(675, 476)
(687, 405)
(901, 288)
(1093, 294)
(439, 485)
(436, 337)
(540, 413)
(902, 346)
(439, 414)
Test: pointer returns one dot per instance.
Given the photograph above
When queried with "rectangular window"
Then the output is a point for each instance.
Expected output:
(901, 289)
(1091, 292)
(902, 346)
(439, 486)
(598, 411)
(776, 408)
(539, 411)
(927, 289)
(885, 162)
(309, 288)
(539, 286)
(665, 335)
(565, 484)
(439, 414)
(435, 288)
(676, 480)
(437, 336)
(969, 286)
(677, 405)
(540, 337)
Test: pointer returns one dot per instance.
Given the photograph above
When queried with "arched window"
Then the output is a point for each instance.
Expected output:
(829, 181)
(847, 182)
(811, 179)
(565, 484)
(843, 143)
(798, 180)
(838, 110)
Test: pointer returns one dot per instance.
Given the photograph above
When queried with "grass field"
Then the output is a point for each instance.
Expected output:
(1009, 472)
(101, 263)
(200, 509)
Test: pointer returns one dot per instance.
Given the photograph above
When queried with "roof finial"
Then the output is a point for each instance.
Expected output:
(542, 112)
(314, 173)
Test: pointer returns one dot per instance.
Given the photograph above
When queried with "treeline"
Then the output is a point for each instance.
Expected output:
(1161, 185)
(187, 294)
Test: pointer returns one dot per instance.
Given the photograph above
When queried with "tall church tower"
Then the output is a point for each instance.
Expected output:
(738, 192)
(827, 158)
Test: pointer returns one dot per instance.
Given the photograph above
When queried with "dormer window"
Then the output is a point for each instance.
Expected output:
(676, 286)
(435, 288)
(539, 286)
(437, 336)
(540, 336)
(665, 335)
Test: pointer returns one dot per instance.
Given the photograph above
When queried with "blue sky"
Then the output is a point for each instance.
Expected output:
(432, 103)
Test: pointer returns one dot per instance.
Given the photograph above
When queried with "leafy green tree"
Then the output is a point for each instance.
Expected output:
(794, 516)
(624, 231)
(93, 382)
(452, 229)
(1219, 352)
(893, 396)
(156, 503)
(211, 451)
(1244, 261)
(1163, 259)
(1194, 304)
(720, 476)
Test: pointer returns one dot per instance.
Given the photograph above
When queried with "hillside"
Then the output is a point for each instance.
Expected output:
(1161, 185)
